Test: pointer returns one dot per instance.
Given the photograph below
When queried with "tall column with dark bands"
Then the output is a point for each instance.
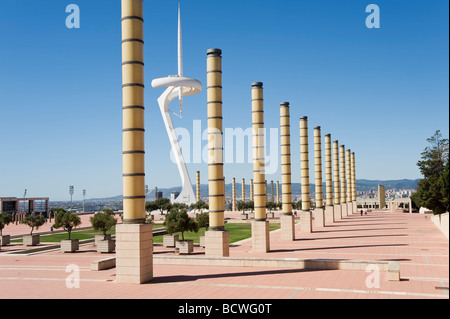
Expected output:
(243, 189)
(329, 209)
(272, 198)
(278, 192)
(216, 240)
(233, 194)
(134, 264)
(343, 180)
(198, 186)
(319, 213)
(355, 207)
(133, 112)
(304, 162)
(286, 216)
(251, 191)
(260, 226)
(349, 182)
(305, 215)
(337, 183)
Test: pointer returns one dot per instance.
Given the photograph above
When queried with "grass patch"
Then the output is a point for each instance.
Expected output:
(237, 232)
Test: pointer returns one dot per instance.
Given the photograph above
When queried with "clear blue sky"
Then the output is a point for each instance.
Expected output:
(380, 92)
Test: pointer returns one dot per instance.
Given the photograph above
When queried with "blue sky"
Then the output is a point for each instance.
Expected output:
(381, 92)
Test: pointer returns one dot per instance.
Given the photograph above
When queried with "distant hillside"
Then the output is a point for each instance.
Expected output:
(362, 185)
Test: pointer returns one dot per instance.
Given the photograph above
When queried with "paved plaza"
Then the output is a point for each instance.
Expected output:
(411, 239)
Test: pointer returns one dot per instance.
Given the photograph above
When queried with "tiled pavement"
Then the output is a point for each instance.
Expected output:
(411, 239)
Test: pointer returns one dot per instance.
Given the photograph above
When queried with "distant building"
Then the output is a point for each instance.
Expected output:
(33, 206)
(174, 196)
(158, 194)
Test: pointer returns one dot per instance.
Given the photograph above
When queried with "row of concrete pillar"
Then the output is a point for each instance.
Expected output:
(243, 197)
(134, 239)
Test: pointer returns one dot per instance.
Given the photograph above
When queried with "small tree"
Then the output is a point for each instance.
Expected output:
(200, 205)
(5, 220)
(163, 204)
(251, 205)
(67, 221)
(241, 205)
(33, 221)
(203, 220)
(150, 206)
(179, 221)
(103, 222)
(270, 206)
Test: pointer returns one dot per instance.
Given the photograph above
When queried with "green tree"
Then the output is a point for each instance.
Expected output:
(5, 220)
(200, 205)
(151, 206)
(203, 220)
(271, 206)
(163, 204)
(103, 222)
(433, 189)
(241, 205)
(33, 221)
(67, 221)
(177, 220)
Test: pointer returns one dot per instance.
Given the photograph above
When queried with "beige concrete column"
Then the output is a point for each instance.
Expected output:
(267, 192)
(382, 196)
(349, 183)
(343, 181)
(286, 216)
(224, 195)
(233, 194)
(243, 189)
(252, 198)
(134, 239)
(216, 239)
(337, 185)
(354, 196)
(278, 192)
(305, 214)
(198, 186)
(319, 212)
(272, 198)
(260, 226)
(329, 208)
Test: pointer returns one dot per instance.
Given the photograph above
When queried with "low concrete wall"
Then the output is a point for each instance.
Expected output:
(442, 222)
(391, 267)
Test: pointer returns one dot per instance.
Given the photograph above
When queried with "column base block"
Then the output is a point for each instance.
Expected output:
(337, 212)
(329, 215)
(260, 236)
(344, 210)
(217, 243)
(305, 222)
(134, 253)
(355, 207)
(349, 208)
(319, 217)
(287, 227)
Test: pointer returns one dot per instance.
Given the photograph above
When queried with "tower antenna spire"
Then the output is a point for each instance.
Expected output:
(180, 57)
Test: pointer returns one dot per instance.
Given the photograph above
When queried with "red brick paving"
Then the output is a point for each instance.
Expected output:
(411, 239)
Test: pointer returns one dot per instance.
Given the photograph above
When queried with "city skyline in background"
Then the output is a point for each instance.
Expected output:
(380, 92)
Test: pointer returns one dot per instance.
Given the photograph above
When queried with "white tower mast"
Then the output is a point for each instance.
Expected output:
(177, 86)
